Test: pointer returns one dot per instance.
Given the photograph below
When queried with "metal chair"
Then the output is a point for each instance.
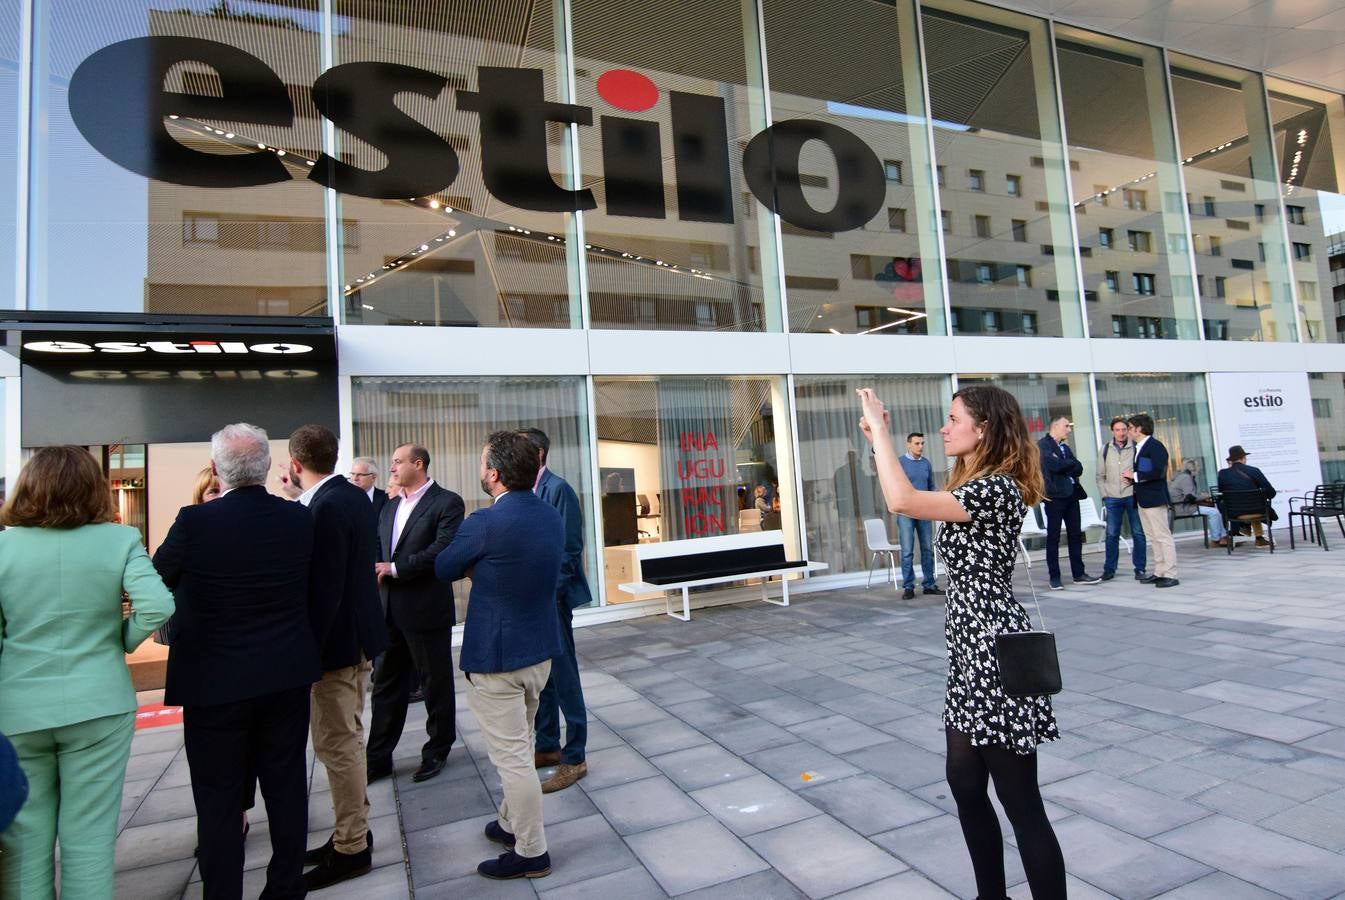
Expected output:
(875, 535)
(1247, 508)
(1327, 501)
(1032, 527)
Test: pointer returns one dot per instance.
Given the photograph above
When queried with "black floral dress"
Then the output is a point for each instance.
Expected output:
(979, 556)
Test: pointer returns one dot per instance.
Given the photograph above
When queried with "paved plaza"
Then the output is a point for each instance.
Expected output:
(761, 752)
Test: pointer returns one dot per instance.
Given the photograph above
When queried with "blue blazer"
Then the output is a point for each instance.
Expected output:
(1058, 470)
(1151, 474)
(512, 552)
(572, 592)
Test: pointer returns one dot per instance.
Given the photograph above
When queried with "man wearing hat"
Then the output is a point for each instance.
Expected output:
(1241, 477)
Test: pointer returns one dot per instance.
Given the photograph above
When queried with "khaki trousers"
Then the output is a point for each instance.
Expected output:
(338, 743)
(1159, 536)
(505, 704)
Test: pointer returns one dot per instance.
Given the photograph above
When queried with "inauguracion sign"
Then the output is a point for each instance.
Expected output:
(1270, 415)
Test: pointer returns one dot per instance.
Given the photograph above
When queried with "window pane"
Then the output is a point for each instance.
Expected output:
(1225, 144)
(867, 278)
(1310, 142)
(1046, 397)
(9, 146)
(130, 229)
(840, 484)
(452, 417)
(683, 457)
(1120, 130)
(1328, 412)
(992, 97)
(676, 227)
(458, 254)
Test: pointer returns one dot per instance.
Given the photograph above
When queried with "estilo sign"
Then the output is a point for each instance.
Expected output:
(118, 102)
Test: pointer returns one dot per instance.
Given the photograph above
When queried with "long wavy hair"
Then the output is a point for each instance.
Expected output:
(1005, 447)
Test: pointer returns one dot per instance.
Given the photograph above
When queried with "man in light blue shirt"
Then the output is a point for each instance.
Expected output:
(921, 474)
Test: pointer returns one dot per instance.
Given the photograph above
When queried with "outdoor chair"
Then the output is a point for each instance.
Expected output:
(1088, 517)
(1032, 527)
(875, 535)
(1327, 501)
(1246, 508)
(1174, 517)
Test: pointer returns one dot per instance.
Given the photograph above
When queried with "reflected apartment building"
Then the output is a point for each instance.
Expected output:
(1076, 216)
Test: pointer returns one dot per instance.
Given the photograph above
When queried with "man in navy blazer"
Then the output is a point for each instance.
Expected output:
(347, 619)
(1061, 469)
(243, 661)
(563, 695)
(1150, 477)
(512, 551)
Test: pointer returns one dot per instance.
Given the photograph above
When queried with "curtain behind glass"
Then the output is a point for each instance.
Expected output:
(452, 417)
(840, 485)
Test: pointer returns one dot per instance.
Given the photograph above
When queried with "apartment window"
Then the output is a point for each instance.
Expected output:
(892, 170)
(1307, 291)
(1105, 237)
(1296, 215)
(896, 219)
(1302, 251)
(975, 180)
(990, 320)
(1134, 199)
(981, 226)
(1118, 328)
(1024, 276)
(200, 229)
(946, 218)
(1143, 283)
(1139, 241)
(1113, 280)
(1260, 209)
(1029, 323)
(942, 173)
(1013, 185)
(1020, 231)
(1209, 206)
(1216, 245)
(1220, 286)
(985, 273)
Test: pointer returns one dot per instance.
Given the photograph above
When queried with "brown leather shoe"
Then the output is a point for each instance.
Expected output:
(1262, 542)
(544, 758)
(565, 776)
(1222, 542)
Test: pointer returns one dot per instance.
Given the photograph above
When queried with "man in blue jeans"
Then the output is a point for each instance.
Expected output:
(921, 474)
(1118, 500)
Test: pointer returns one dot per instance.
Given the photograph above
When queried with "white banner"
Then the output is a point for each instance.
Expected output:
(1270, 415)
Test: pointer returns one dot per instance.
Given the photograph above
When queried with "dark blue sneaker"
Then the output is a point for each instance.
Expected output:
(510, 865)
(1056, 585)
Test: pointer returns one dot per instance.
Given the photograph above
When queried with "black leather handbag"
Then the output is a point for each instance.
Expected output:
(1028, 664)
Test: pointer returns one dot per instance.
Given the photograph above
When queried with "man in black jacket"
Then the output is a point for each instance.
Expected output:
(1061, 469)
(1241, 477)
(419, 612)
(347, 619)
(243, 661)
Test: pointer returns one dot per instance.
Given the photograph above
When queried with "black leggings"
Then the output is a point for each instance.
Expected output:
(969, 771)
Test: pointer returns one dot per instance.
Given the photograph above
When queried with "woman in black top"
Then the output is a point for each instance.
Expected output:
(989, 735)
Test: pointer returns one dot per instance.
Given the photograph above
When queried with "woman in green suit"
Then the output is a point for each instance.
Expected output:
(66, 700)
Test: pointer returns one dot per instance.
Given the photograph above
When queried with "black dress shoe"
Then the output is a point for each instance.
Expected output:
(428, 769)
(937, 591)
(510, 865)
(495, 831)
(908, 594)
(314, 857)
(1148, 579)
(1166, 582)
(374, 771)
(1108, 576)
(337, 866)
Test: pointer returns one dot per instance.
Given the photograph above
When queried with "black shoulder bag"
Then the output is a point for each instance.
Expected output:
(1028, 665)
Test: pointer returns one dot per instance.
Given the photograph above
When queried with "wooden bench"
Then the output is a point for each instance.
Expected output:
(681, 565)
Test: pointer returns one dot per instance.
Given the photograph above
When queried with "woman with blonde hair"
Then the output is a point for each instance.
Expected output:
(66, 700)
(207, 487)
(988, 734)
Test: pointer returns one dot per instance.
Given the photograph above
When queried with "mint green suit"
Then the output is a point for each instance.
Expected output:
(66, 700)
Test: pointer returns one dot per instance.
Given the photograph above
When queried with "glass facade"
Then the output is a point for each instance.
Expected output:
(1328, 413)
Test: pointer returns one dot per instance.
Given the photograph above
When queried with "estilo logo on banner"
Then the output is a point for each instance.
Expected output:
(165, 347)
(118, 102)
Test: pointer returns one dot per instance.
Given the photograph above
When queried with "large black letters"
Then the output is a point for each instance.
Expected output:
(771, 166)
(513, 109)
(358, 98)
(701, 157)
(118, 102)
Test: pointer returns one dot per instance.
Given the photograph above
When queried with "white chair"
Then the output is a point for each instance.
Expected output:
(1088, 517)
(1030, 529)
(875, 535)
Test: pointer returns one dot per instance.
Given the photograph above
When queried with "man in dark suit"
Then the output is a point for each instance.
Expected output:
(243, 661)
(364, 475)
(348, 621)
(1061, 470)
(1241, 477)
(1150, 477)
(563, 695)
(512, 551)
(419, 612)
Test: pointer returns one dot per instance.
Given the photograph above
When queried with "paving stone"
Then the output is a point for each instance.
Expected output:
(431, 865)
(710, 713)
(800, 764)
(1260, 856)
(869, 805)
(474, 886)
(463, 798)
(703, 766)
(644, 804)
(1121, 864)
(1258, 722)
(621, 716)
(823, 857)
(664, 737)
(908, 885)
(839, 734)
(757, 886)
(629, 884)
(164, 881)
(719, 856)
(1219, 886)
(936, 849)
(1319, 821)
(583, 849)
(615, 766)
(750, 735)
(754, 804)
(1242, 801)
(1122, 805)
(786, 710)
(1253, 696)
(900, 763)
(158, 842)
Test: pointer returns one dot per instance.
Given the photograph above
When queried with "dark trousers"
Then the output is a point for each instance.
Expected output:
(563, 695)
(430, 652)
(1068, 512)
(227, 744)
